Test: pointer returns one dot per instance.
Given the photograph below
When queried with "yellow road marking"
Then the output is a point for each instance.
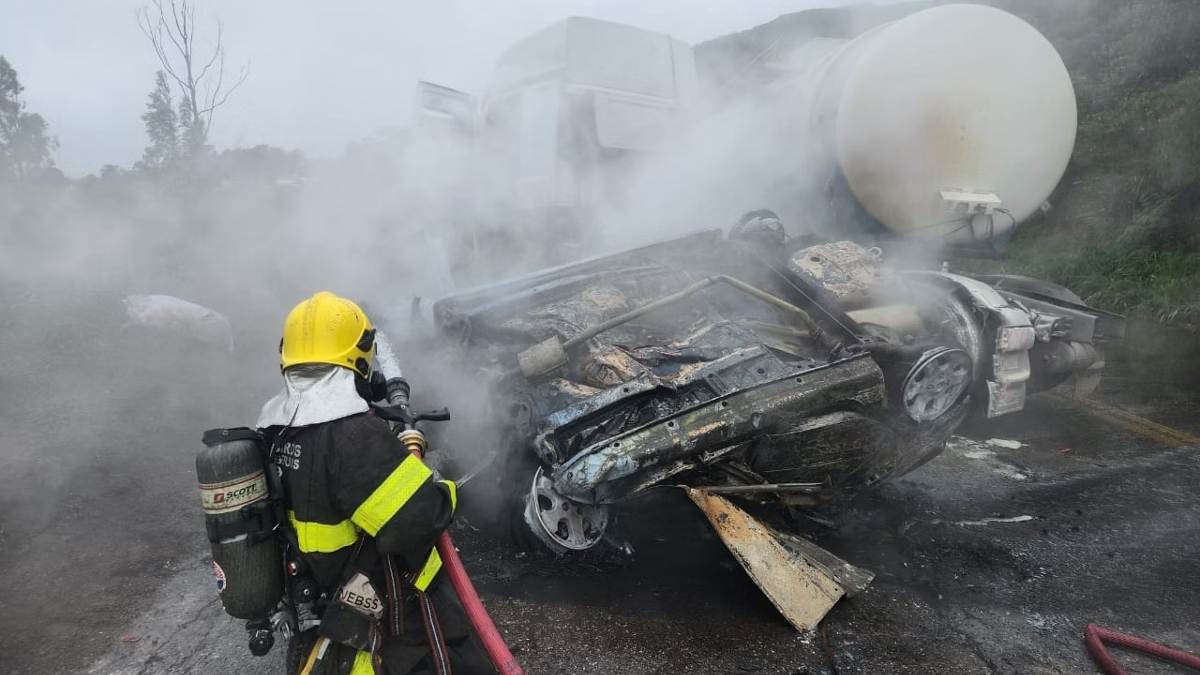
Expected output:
(1130, 422)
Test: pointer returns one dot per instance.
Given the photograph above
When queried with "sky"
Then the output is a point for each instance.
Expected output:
(321, 74)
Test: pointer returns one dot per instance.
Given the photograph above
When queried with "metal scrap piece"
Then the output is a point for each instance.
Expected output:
(850, 272)
(802, 580)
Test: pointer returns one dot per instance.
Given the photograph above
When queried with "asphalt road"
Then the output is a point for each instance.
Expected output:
(1113, 537)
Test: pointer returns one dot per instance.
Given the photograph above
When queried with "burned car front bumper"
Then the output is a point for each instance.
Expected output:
(700, 435)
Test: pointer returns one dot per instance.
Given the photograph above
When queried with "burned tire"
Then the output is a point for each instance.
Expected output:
(519, 468)
(928, 440)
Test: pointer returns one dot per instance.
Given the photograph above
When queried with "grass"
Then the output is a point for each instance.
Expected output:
(1131, 277)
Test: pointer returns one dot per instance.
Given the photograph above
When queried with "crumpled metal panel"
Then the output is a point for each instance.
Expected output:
(833, 449)
(774, 407)
(1005, 398)
(984, 296)
(605, 398)
(849, 272)
(1013, 326)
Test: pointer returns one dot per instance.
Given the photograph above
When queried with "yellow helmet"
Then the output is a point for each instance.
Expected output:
(328, 329)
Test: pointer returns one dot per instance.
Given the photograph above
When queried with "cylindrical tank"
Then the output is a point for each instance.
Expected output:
(936, 116)
(238, 515)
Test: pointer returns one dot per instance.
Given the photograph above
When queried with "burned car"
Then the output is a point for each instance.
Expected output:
(702, 361)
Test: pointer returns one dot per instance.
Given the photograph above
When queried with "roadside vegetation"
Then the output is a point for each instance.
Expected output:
(1134, 276)
(1124, 228)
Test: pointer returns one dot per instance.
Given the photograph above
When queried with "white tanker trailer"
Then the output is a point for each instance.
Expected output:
(946, 127)
(954, 123)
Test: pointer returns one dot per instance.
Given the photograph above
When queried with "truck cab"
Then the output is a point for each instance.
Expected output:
(566, 108)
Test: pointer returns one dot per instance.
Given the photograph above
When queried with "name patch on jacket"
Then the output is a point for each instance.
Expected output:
(358, 594)
(287, 455)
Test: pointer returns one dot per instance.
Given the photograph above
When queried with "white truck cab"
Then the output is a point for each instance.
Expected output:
(565, 107)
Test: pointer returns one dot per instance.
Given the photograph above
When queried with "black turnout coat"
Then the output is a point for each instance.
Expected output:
(351, 479)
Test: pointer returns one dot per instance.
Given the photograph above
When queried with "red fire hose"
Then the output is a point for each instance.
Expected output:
(489, 637)
(414, 441)
(493, 644)
(1095, 636)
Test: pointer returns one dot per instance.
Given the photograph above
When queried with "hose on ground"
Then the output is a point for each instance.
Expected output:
(489, 637)
(1096, 637)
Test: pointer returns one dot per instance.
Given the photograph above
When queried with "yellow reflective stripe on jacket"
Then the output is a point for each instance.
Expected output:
(453, 493)
(393, 493)
(432, 564)
(362, 664)
(322, 537)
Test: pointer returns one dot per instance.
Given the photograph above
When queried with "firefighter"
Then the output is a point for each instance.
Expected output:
(363, 511)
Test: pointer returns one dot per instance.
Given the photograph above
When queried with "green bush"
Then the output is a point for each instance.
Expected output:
(1122, 269)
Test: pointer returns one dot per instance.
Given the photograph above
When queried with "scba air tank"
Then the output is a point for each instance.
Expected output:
(240, 518)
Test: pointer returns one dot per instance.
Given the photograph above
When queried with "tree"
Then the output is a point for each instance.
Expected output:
(171, 29)
(192, 136)
(162, 126)
(25, 145)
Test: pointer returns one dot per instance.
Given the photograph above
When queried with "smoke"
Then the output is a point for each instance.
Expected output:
(400, 214)
(101, 415)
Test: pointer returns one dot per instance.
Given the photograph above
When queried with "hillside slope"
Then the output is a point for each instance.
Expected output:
(1124, 230)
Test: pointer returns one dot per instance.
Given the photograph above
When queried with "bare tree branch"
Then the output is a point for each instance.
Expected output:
(219, 52)
(219, 97)
(176, 20)
(181, 28)
(163, 27)
(153, 32)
